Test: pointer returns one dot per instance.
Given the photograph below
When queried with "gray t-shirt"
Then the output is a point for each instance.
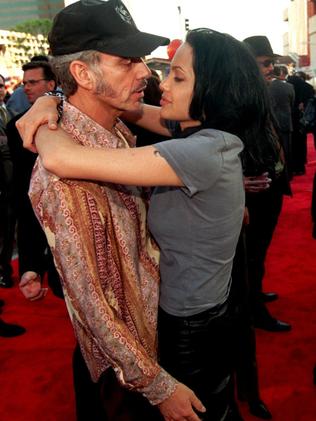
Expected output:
(197, 226)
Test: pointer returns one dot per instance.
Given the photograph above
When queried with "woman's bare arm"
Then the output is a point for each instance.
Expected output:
(136, 166)
(148, 118)
(44, 111)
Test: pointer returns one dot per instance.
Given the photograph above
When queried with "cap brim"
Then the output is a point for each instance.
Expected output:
(139, 44)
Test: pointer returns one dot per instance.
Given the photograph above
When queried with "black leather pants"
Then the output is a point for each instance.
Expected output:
(196, 350)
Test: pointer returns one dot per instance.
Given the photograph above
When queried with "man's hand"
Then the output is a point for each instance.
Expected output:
(43, 111)
(257, 183)
(31, 286)
(179, 406)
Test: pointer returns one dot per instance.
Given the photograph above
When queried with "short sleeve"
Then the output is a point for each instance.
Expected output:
(197, 160)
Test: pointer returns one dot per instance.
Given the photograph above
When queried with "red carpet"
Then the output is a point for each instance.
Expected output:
(35, 368)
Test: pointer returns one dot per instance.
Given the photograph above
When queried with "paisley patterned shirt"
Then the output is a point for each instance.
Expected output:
(109, 268)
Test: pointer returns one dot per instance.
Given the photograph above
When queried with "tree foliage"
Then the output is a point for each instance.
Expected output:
(34, 26)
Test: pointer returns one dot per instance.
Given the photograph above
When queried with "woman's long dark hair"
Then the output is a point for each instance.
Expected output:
(230, 94)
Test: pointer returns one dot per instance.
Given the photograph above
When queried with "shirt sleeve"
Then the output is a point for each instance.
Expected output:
(197, 160)
(99, 328)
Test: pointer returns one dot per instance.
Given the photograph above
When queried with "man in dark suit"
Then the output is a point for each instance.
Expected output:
(282, 96)
(264, 208)
(34, 254)
(6, 216)
(263, 205)
(303, 92)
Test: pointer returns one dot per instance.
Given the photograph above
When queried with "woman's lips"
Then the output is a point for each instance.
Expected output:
(164, 101)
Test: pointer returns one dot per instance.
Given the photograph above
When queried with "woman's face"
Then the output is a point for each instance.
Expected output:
(177, 88)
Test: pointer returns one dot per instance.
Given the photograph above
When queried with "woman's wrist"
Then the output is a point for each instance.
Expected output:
(59, 98)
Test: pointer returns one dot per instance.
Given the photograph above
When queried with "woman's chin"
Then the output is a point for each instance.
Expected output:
(165, 114)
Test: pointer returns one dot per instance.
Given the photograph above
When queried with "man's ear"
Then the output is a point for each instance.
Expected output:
(82, 74)
(51, 85)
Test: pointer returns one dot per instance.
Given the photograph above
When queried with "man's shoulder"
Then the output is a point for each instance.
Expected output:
(11, 123)
(281, 89)
(277, 84)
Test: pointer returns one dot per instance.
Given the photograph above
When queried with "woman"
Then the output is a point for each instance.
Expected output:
(217, 100)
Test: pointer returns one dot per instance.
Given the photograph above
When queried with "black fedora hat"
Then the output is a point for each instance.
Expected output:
(101, 25)
(260, 46)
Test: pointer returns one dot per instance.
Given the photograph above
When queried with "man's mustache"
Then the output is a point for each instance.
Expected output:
(141, 87)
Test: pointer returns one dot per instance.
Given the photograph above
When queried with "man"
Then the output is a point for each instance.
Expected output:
(282, 101)
(97, 232)
(34, 257)
(6, 221)
(303, 93)
(6, 216)
(264, 208)
(18, 101)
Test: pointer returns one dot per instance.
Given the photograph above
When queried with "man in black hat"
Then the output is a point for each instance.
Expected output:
(281, 93)
(261, 48)
(264, 208)
(97, 232)
(263, 202)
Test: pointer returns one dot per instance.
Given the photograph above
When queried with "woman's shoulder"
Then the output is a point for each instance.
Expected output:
(218, 138)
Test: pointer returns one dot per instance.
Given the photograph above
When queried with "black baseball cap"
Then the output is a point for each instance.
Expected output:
(101, 25)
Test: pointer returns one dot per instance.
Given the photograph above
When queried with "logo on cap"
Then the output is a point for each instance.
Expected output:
(93, 2)
(124, 13)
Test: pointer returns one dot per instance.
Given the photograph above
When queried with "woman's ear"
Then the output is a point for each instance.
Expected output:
(82, 74)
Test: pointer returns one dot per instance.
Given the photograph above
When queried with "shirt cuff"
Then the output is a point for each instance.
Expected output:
(160, 388)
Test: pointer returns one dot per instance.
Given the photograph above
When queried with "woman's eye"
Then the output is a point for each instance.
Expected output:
(178, 79)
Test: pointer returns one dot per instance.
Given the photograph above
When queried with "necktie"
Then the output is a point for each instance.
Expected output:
(4, 115)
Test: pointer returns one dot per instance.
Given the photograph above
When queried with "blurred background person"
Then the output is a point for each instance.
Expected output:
(35, 258)
(6, 210)
(18, 101)
(265, 205)
(282, 100)
(303, 92)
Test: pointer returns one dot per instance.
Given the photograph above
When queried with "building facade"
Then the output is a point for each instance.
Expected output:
(18, 11)
(312, 35)
(300, 40)
(17, 48)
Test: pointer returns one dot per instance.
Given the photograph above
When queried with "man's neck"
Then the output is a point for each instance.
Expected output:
(95, 109)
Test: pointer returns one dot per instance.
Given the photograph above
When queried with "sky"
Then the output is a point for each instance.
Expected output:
(240, 18)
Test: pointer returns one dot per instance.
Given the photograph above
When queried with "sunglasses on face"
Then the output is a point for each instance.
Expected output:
(266, 63)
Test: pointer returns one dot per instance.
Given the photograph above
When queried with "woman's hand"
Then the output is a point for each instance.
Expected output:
(179, 406)
(43, 111)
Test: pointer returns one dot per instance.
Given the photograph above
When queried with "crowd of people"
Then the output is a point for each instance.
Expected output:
(158, 251)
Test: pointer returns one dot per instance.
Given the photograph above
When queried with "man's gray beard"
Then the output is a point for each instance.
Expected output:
(103, 88)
